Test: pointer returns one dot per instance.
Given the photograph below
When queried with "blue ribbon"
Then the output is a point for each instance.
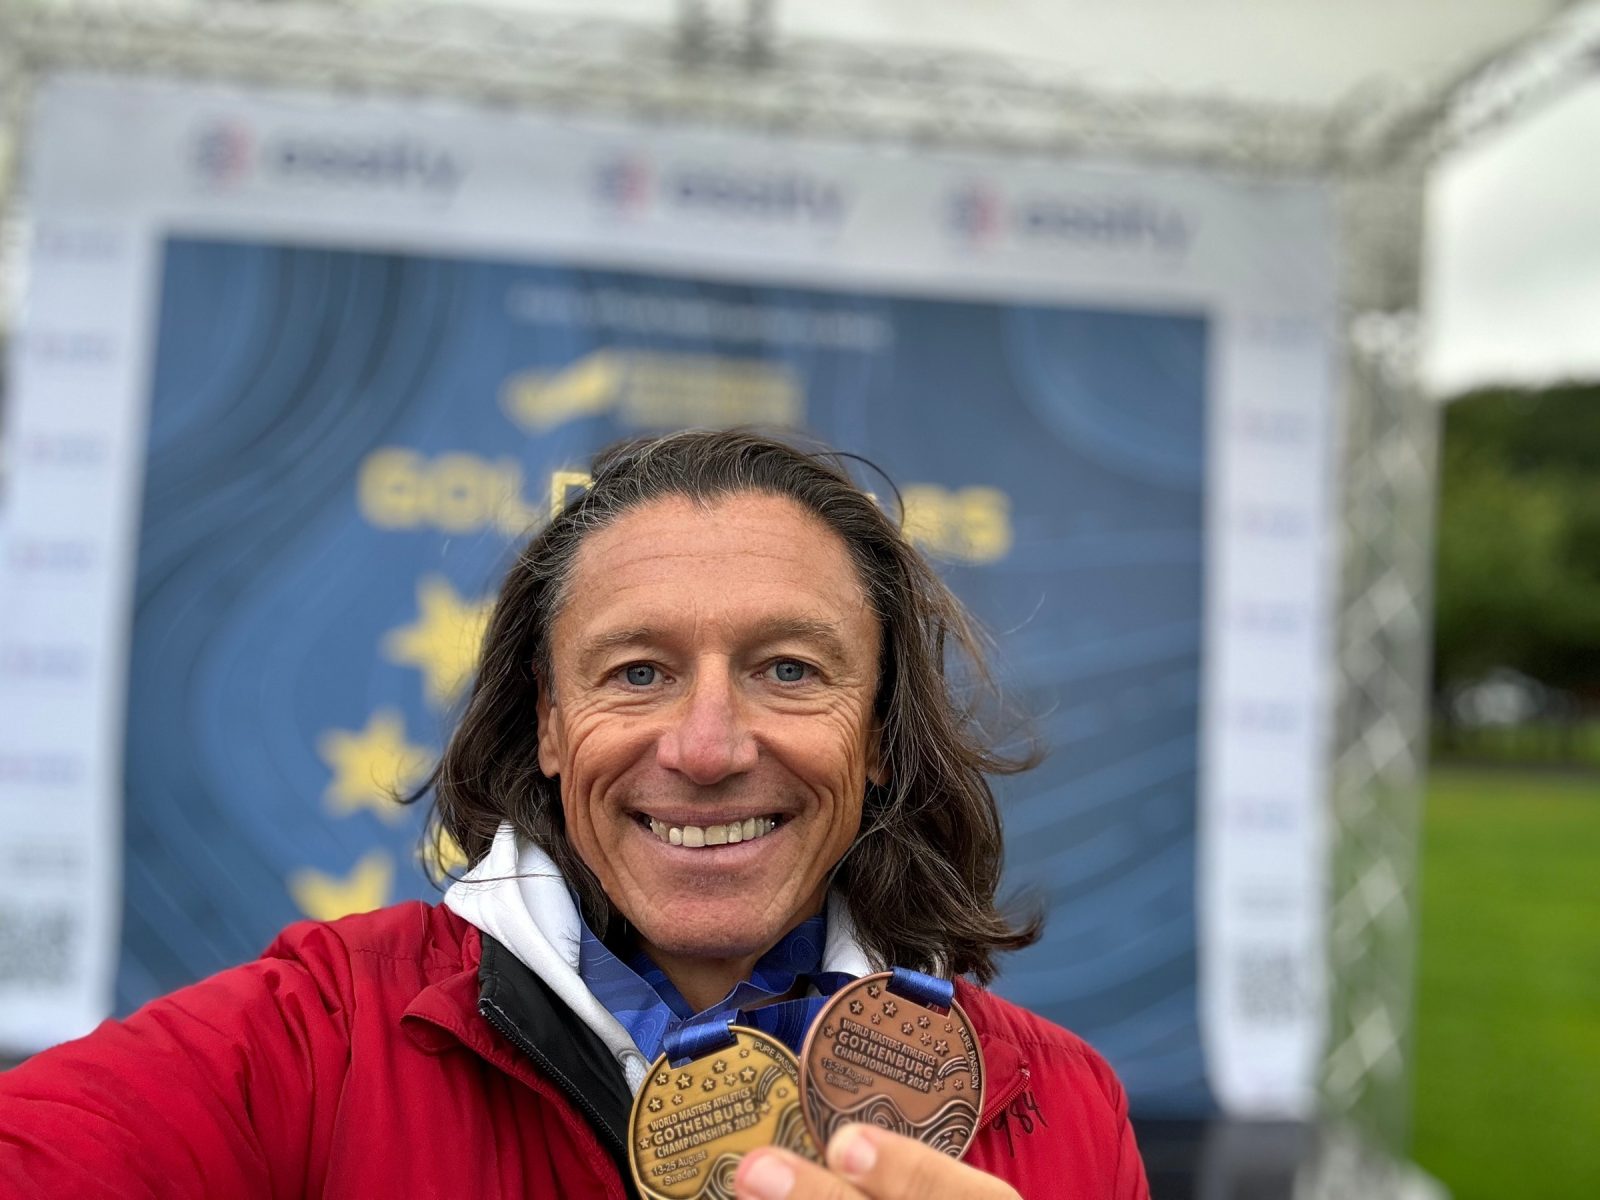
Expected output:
(696, 1039)
(785, 1020)
(926, 990)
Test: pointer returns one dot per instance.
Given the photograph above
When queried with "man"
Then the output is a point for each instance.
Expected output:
(711, 761)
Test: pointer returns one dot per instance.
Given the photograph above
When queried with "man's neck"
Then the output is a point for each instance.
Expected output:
(702, 982)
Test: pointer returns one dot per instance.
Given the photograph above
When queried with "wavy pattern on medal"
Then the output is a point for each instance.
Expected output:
(718, 1183)
(791, 1134)
(770, 1078)
(951, 1066)
(947, 1130)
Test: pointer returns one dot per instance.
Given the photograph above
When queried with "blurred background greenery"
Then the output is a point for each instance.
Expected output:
(1507, 1067)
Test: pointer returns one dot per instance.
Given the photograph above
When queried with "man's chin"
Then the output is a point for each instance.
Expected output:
(708, 937)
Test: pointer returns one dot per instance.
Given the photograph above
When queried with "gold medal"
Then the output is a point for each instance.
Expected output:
(883, 1058)
(692, 1124)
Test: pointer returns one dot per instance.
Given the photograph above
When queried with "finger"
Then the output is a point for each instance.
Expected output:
(773, 1174)
(886, 1166)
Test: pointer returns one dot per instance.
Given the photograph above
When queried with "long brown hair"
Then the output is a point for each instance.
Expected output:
(920, 878)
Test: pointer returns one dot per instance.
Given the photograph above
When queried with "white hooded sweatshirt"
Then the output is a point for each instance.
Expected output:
(517, 895)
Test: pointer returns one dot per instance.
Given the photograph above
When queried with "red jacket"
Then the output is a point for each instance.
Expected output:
(401, 1053)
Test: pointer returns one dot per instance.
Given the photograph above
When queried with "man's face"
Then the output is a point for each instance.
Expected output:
(714, 673)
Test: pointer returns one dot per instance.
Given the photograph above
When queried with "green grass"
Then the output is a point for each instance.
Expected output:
(1507, 1066)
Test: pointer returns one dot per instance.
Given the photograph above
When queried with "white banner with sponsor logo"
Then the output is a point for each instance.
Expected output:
(254, 320)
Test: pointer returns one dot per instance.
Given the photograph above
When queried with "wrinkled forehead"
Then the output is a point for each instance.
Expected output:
(746, 564)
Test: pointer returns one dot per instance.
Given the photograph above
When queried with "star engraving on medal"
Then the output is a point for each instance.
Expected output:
(748, 1075)
(677, 1099)
(782, 1093)
(907, 1028)
(926, 1039)
(941, 1047)
(923, 1022)
(745, 1053)
(958, 1085)
(949, 1028)
(873, 990)
(710, 1085)
(661, 1079)
(855, 1008)
(729, 1080)
(685, 1081)
(876, 1019)
(939, 1087)
(644, 1143)
(890, 1008)
(719, 1066)
(654, 1104)
(827, 1030)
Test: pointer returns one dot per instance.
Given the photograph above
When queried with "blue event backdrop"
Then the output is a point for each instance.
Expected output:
(285, 641)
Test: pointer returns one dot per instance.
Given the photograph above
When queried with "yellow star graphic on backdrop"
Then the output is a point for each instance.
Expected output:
(445, 641)
(327, 897)
(441, 855)
(372, 766)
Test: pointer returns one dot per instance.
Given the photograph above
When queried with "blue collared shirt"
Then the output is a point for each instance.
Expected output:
(642, 998)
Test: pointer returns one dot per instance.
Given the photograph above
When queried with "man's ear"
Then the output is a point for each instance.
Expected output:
(550, 740)
(877, 769)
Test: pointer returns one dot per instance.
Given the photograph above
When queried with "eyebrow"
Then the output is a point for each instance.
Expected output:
(822, 634)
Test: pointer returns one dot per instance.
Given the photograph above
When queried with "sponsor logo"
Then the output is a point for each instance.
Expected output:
(1273, 521)
(66, 347)
(1266, 716)
(45, 663)
(627, 185)
(976, 214)
(67, 244)
(1263, 813)
(1264, 617)
(224, 152)
(228, 153)
(622, 184)
(41, 770)
(63, 449)
(31, 555)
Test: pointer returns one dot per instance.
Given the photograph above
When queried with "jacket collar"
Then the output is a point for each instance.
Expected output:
(499, 1009)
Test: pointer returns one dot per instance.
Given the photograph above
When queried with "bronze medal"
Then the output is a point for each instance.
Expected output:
(692, 1124)
(881, 1058)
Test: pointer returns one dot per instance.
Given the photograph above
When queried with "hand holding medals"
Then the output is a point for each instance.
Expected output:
(891, 1050)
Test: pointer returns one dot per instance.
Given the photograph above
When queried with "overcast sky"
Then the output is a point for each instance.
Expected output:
(1512, 287)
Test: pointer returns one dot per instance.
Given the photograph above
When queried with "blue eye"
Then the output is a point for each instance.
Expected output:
(640, 674)
(789, 671)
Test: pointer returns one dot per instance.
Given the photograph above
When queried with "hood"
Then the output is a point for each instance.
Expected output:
(517, 895)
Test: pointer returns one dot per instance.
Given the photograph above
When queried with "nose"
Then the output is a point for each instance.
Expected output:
(708, 738)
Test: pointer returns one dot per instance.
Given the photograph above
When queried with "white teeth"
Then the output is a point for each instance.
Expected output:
(696, 836)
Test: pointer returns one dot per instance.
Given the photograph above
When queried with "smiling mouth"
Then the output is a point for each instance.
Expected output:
(698, 836)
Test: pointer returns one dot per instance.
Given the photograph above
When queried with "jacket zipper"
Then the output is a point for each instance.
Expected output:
(491, 1013)
(1013, 1090)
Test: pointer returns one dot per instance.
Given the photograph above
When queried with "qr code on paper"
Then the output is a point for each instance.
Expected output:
(35, 946)
(1267, 985)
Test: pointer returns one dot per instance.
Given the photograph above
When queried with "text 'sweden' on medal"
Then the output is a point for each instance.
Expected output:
(894, 1050)
(694, 1121)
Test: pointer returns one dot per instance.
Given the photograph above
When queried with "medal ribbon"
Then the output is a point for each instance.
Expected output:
(643, 999)
(927, 990)
(786, 1020)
